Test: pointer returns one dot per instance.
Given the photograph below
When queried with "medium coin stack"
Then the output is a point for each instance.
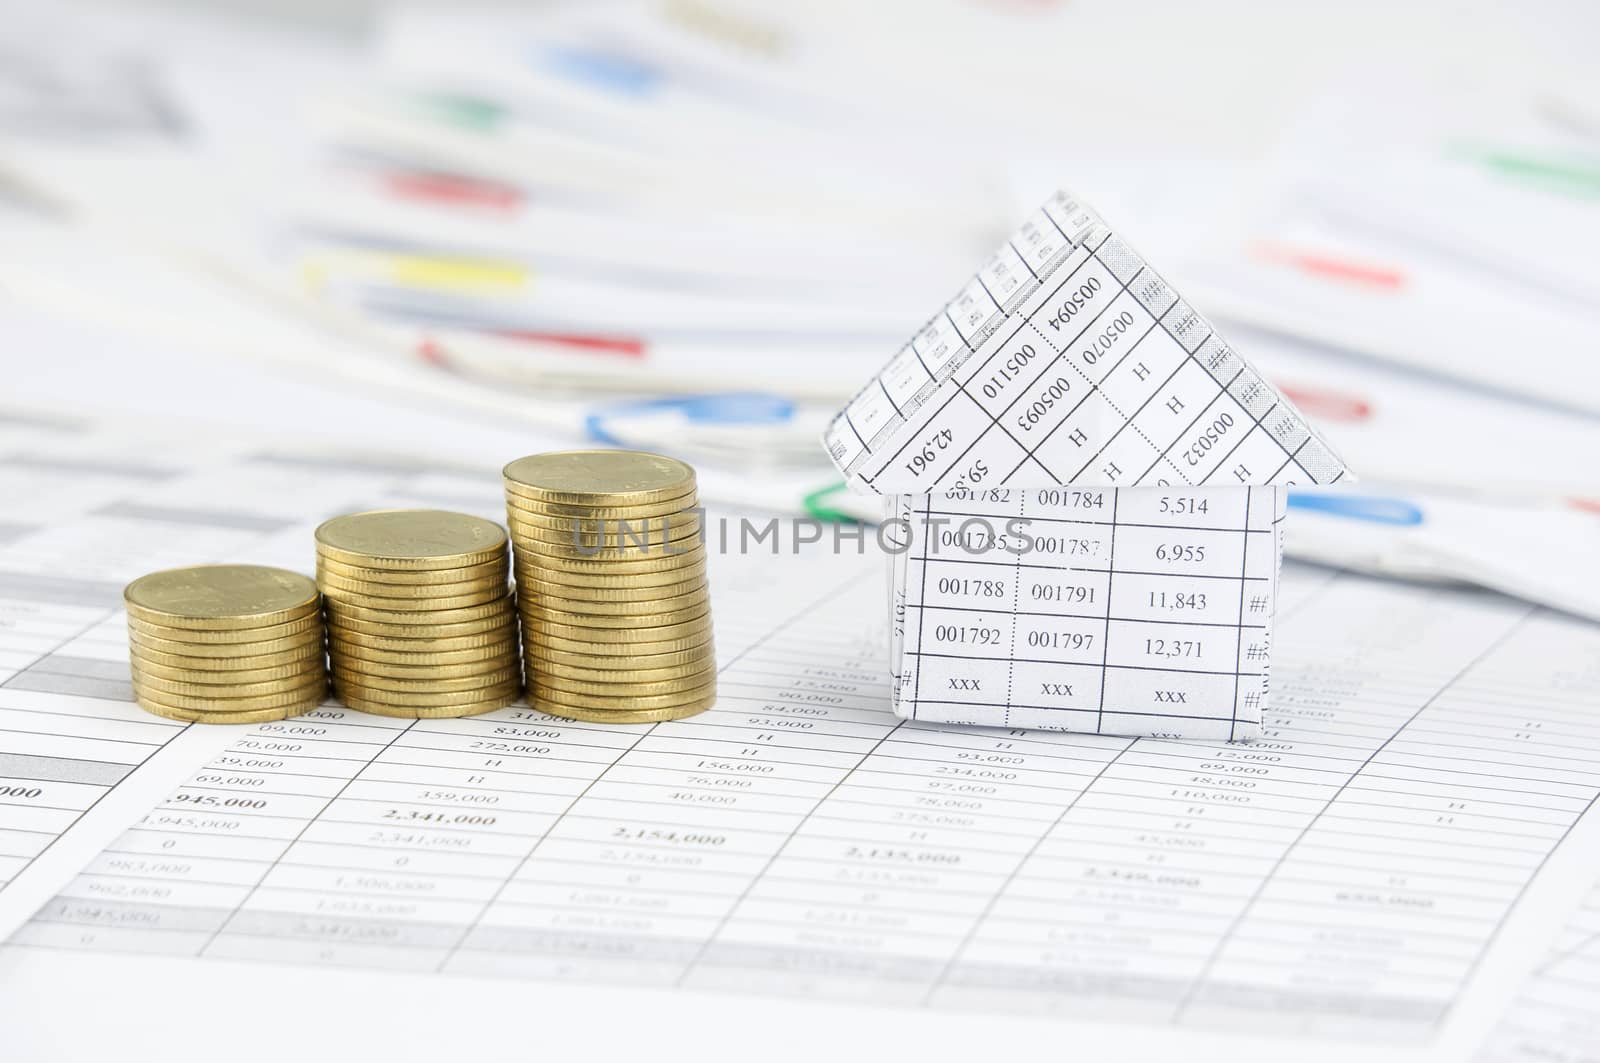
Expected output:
(226, 643)
(420, 615)
(611, 585)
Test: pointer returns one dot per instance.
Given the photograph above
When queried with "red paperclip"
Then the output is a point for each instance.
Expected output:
(1324, 265)
(1328, 405)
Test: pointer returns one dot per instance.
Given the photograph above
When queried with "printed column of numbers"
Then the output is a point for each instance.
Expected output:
(640, 879)
(1415, 864)
(1090, 609)
(1138, 898)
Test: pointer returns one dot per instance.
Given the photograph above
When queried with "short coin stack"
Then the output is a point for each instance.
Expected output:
(226, 643)
(611, 585)
(420, 615)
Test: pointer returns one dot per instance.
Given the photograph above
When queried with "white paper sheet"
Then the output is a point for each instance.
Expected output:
(1553, 1018)
(1067, 360)
(1352, 873)
(1431, 217)
(1128, 612)
(1308, 276)
(1541, 554)
(74, 771)
(1389, 422)
(87, 510)
(77, 762)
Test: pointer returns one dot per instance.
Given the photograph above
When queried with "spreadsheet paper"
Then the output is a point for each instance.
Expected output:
(1349, 873)
(77, 762)
(96, 505)
(1142, 612)
(1067, 360)
(1553, 1016)
(1421, 767)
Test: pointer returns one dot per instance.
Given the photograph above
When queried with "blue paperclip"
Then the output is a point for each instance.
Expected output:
(1370, 508)
(608, 71)
(736, 407)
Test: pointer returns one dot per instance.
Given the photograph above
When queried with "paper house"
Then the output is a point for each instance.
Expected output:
(1085, 489)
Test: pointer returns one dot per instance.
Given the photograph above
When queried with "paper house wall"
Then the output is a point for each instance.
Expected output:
(1086, 488)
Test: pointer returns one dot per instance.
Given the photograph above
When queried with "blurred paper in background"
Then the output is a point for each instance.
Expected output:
(689, 226)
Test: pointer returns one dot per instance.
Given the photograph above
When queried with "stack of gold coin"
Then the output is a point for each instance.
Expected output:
(611, 585)
(420, 615)
(226, 643)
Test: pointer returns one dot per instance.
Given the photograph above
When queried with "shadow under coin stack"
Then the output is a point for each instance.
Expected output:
(226, 643)
(420, 615)
(611, 586)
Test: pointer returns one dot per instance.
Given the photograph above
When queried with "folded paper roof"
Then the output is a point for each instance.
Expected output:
(1067, 360)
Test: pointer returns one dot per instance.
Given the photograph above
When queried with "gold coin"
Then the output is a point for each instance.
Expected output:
(232, 635)
(571, 531)
(538, 589)
(254, 674)
(436, 681)
(347, 689)
(616, 628)
(655, 548)
(488, 627)
(405, 539)
(602, 601)
(225, 684)
(563, 527)
(602, 582)
(346, 589)
(688, 561)
(621, 608)
(341, 611)
(225, 689)
(363, 596)
(220, 597)
(224, 665)
(541, 657)
(579, 626)
(654, 649)
(305, 642)
(620, 653)
(215, 703)
(538, 554)
(520, 511)
(624, 702)
(608, 477)
(364, 646)
(423, 678)
(507, 643)
(676, 518)
(157, 708)
(624, 716)
(362, 641)
(552, 569)
(366, 659)
(620, 674)
(424, 672)
(544, 631)
(555, 686)
(377, 707)
(407, 602)
(488, 572)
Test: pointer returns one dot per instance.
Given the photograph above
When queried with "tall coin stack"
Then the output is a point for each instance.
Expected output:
(420, 615)
(226, 643)
(611, 585)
